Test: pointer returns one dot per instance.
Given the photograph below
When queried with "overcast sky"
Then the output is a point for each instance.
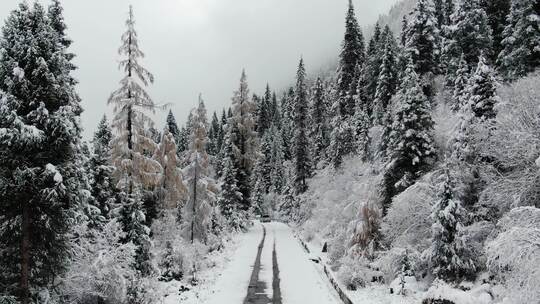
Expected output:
(201, 46)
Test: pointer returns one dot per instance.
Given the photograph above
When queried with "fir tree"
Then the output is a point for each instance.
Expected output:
(245, 138)
(482, 91)
(287, 127)
(214, 135)
(387, 78)
(230, 200)
(469, 34)
(197, 212)
(318, 117)
(133, 219)
(448, 251)
(460, 86)
(302, 159)
(497, 11)
(103, 186)
(41, 163)
(172, 127)
(521, 40)
(422, 38)
(410, 147)
(264, 111)
(362, 125)
(277, 175)
(351, 56)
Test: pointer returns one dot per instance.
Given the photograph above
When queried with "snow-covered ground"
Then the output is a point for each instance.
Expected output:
(301, 280)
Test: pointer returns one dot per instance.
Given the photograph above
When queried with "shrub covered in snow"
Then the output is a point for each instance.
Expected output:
(408, 220)
(514, 255)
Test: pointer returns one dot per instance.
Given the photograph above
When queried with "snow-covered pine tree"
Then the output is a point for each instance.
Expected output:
(183, 141)
(302, 159)
(460, 86)
(369, 69)
(264, 162)
(482, 90)
(171, 189)
(387, 77)
(448, 254)
(362, 124)
(135, 170)
(521, 40)
(172, 127)
(56, 19)
(40, 188)
(245, 140)
(131, 144)
(422, 37)
(319, 132)
(264, 111)
(277, 175)
(258, 189)
(469, 34)
(197, 212)
(102, 183)
(287, 128)
(410, 144)
(438, 7)
(497, 11)
(230, 201)
(351, 57)
(214, 135)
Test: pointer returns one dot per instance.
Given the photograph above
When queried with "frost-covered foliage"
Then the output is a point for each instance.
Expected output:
(408, 220)
(172, 190)
(514, 255)
(100, 268)
(134, 170)
(517, 129)
(197, 212)
(337, 201)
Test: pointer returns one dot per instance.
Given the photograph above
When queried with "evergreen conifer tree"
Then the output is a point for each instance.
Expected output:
(410, 147)
(318, 117)
(302, 158)
(230, 200)
(521, 40)
(102, 186)
(482, 91)
(422, 37)
(448, 252)
(41, 183)
(245, 139)
(460, 86)
(469, 34)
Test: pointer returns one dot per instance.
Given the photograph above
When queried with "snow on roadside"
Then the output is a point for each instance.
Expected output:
(232, 284)
(300, 281)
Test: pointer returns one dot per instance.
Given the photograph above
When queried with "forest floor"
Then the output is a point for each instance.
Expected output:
(269, 266)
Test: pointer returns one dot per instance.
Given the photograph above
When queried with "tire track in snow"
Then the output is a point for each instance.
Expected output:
(256, 290)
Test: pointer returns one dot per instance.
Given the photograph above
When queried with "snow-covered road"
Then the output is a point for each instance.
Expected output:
(283, 275)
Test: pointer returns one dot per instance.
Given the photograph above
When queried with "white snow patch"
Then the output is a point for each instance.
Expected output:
(18, 72)
(51, 169)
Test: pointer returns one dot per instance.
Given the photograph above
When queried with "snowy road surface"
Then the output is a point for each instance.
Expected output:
(279, 272)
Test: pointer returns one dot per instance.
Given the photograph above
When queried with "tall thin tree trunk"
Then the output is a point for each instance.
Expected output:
(25, 255)
(194, 210)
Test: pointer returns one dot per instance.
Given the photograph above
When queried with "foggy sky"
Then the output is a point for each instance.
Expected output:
(201, 46)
